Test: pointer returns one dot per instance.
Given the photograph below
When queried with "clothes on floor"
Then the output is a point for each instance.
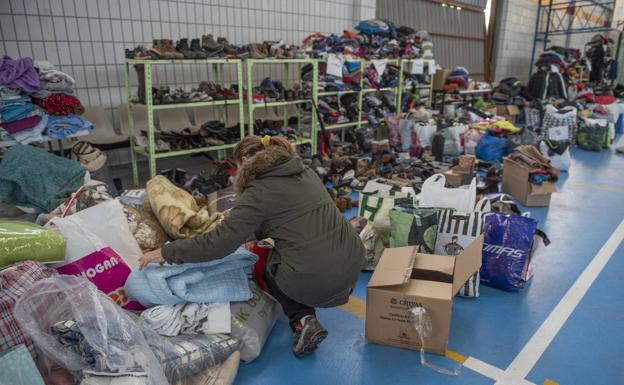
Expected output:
(60, 104)
(189, 318)
(35, 178)
(14, 281)
(294, 310)
(219, 280)
(60, 127)
(19, 73)
(177, 211)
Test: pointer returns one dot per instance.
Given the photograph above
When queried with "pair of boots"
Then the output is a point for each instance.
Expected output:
(193, 51)
(165, 50)
(257, 51)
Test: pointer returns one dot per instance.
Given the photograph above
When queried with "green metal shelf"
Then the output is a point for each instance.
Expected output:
(331, 93)
(169, 106)
(183, 61)
(171, 154)
(367, 90)
(279, 104)
(286, 63)
(150, 151)
(342, 125)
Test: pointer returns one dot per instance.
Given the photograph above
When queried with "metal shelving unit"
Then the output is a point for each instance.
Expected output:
(286, 63)
(150, 152)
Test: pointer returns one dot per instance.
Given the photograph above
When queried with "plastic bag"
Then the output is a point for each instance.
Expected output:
(252, 321)
(507, 244)
(491, 148)
(20, 241)
(434, 194)
(77, 327)
(422, 323)
(406, 128)
(100, 246)
(592, 134)
(424, 133)
(561, 161)
(471, 141)
(108, 335)
(375, 242)
(452, 139)
(392, 122)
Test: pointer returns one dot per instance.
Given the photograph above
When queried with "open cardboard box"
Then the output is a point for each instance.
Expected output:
(516, 183)
(510, 111)
(404, 279)
(456, 177)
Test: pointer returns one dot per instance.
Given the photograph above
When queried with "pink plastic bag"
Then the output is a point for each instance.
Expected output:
(108, 272)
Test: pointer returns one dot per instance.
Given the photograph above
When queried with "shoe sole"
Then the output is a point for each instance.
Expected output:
(312, 344)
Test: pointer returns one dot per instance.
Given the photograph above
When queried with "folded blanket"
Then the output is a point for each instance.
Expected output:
(13, 111)
(60, 127)
(219, 280)
(177, 211)
(60, 104)
(189, 318)
(19, 73)
(35, 178)
(31, 135)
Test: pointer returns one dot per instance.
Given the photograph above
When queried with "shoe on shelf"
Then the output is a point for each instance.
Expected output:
(256, 51)
(209, 44)
(197, 49)
(182, 46)
(228, 48)
(170, 48)
(309, 333)
(159, 50)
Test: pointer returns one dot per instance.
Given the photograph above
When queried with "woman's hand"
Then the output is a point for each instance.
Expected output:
(151, 257)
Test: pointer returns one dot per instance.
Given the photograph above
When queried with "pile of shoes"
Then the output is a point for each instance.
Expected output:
(205, 48)
(275, 128)
(377, 106)
(273, 91)
(211, 133)
(342, 108)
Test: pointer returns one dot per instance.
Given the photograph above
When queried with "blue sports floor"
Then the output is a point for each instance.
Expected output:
(565, 327)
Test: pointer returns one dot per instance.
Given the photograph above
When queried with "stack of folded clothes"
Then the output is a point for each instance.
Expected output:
(507, 92)
(35, 100)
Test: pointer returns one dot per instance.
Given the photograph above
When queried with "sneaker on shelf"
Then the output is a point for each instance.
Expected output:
(309, 333)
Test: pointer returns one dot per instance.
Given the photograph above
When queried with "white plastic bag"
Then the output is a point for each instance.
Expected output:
(434, 194)
(452, 142)
(252, 321)
(562, 162)
(405, 130)
(424, 133)
(100, 247)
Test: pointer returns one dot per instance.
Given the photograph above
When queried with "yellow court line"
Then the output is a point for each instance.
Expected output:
(357, 307)
(550, 382)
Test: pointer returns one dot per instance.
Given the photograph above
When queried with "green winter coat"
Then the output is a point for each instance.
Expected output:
(317, 256)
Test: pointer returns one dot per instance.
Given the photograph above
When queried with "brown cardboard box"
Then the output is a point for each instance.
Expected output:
(440, 78)
(516, 183)
(404, 279)
(456, 177)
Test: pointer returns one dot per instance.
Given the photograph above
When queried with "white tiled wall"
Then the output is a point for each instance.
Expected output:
(514, 39)
(87, 38)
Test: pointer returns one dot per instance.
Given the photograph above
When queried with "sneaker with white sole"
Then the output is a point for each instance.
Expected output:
(309, 333)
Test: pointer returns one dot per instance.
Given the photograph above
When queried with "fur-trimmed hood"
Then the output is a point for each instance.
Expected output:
(274, 161)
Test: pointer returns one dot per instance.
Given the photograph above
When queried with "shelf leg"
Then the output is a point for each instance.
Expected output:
(151, 145)
(250, 104)
(241, 107)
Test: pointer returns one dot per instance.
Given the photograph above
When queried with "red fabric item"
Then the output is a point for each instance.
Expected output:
(22, 124)
(59, 104)
(15, 281)
(605, 99)
(258, 269)
(323, 148)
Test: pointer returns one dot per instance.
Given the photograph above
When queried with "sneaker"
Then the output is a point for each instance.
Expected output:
(309, 333)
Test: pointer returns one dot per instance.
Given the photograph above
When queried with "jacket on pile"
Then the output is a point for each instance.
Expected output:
(317, 256)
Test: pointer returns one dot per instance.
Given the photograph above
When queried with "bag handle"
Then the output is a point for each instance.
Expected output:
(484, 205)
(435, 180)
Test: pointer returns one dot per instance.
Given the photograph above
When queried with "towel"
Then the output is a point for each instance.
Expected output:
(35, 178)
(189, 318)
(219, 280)
(60, 127)
(177, 211)
(32, 135)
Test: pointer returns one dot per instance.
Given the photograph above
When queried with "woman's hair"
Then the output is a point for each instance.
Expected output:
(252, 144)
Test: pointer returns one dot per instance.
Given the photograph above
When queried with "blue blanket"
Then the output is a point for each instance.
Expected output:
(219, 280)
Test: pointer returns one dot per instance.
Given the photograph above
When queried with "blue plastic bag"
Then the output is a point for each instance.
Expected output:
(491, 148)
(507, 244)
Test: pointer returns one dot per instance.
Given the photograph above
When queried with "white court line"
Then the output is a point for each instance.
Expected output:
(524, 362)
(489, 371)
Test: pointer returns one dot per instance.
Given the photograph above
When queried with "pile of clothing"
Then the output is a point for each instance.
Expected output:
(508, 92)
(35, 100)
(374, 39)
(459, 78)
(602, 65)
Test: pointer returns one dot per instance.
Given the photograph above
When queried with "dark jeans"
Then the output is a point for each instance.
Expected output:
(293, 309)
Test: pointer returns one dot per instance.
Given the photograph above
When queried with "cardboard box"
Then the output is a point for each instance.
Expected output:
(509, 112)
(516, 183)
(456, 177)
(404, 279)
(439, 79)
